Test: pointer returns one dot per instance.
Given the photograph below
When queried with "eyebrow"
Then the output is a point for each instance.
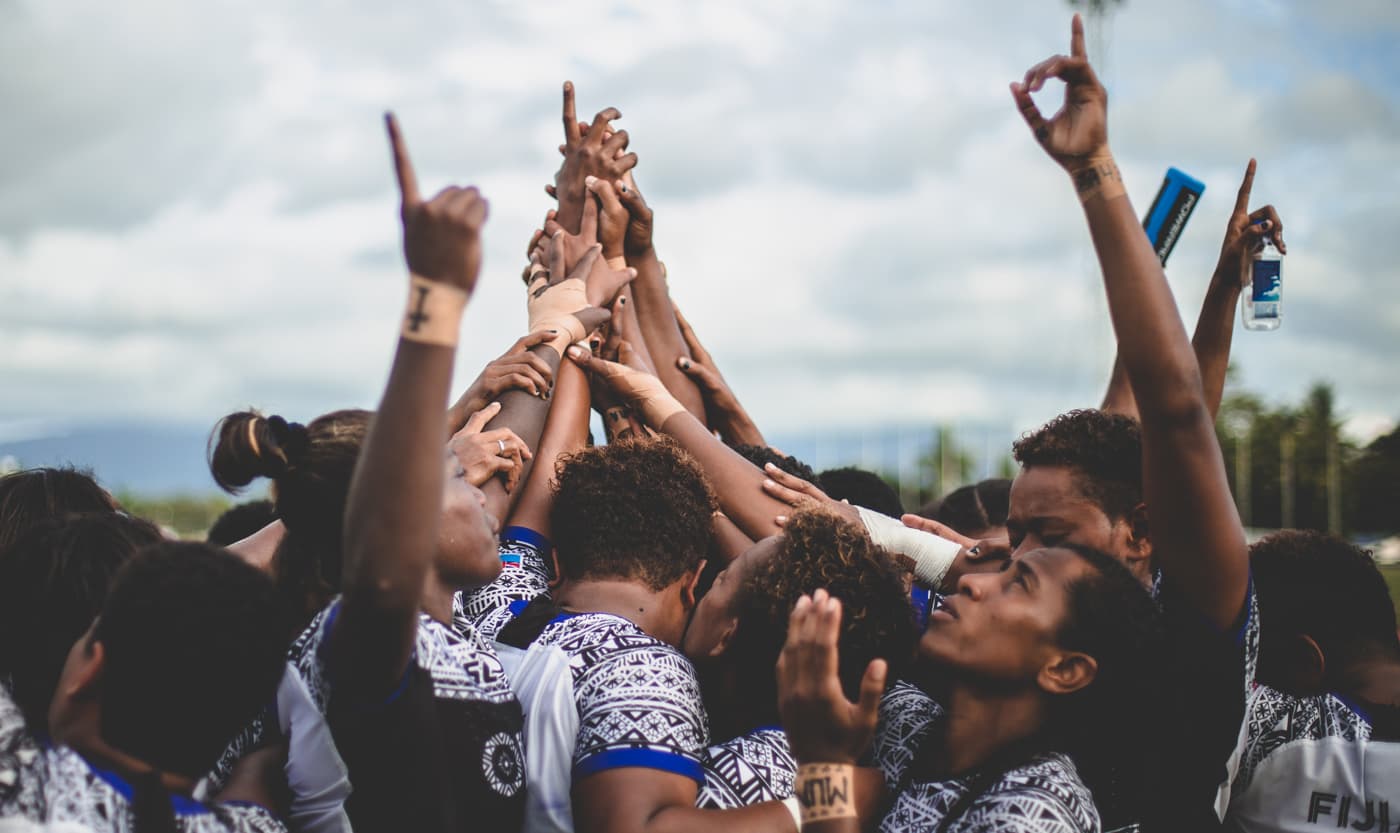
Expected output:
(1022, 567)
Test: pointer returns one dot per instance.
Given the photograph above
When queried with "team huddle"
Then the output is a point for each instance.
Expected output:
(485, 618)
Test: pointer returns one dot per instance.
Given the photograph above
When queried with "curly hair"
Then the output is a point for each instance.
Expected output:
(1104, 450)
(310, 467)
(819, 550)
(1325, 587)
(638, 509)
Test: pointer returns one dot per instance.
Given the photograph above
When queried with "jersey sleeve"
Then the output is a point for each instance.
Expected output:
(526, 573)
(22, 764)
(640, 707)
(907, 715)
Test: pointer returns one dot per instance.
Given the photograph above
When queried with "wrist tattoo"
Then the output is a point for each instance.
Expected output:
(1099, 177)
(434, 314)
(824, 791)
(617, 423)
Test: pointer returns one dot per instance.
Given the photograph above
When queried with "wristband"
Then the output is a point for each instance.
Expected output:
(932, 556)
(434, 314)
(824, 791)
(795, 808)
(1098, 177)
(617, 264)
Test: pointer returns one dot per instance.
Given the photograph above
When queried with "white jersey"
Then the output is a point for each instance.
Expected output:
(1314, 763)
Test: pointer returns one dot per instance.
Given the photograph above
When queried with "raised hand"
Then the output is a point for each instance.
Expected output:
(516, 369)
(613, 219)
(441, 237)
(987, 555)
(639, 225)
(643, 391)
(799, 494)
(481, 455)
(1079, 130)
(723, 412)
(821, 724)
(597, 151)
(1246, 230)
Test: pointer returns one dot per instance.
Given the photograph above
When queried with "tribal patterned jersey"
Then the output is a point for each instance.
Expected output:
(749, 769)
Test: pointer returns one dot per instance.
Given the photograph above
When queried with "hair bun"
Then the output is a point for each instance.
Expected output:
(292, 438)
(246, 445)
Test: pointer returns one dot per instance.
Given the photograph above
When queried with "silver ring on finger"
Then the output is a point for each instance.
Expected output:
(502, 444)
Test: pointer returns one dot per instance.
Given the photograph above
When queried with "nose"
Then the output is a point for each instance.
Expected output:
(974, 585)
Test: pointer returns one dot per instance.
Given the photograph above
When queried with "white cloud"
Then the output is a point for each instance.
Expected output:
(199, 211)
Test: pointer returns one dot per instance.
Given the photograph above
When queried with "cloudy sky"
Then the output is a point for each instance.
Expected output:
(198, 212)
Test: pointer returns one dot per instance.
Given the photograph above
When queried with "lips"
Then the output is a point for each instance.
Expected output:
(947, 607)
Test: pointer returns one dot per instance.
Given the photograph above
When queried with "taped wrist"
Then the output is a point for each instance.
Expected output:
(434, 314)
(824, 792)
(1098, 176)
(932, 556)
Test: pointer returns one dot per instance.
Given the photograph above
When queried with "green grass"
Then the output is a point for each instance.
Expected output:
(1392, 578)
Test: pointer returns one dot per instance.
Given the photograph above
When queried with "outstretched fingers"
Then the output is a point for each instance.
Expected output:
(1247, 186)
(403, 167)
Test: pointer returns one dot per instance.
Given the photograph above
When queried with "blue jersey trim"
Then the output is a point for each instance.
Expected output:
(525, 535)
(647, 758)
(182, 805)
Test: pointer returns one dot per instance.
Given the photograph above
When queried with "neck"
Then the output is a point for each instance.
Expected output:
(648, 609)
(981, 724)
(96, 751)
(1375, 680)
(437, 598)
(732, 713)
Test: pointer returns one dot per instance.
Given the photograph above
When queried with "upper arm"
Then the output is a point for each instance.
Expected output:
(1197, 537)
(627, 799)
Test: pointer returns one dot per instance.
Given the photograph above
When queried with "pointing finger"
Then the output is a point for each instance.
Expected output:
(403, 168)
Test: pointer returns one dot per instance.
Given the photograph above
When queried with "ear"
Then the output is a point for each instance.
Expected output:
(85, 679)
(1304, 666)
(725, 639)
(689, 585)
(558, 573)
(1139, 532)
(1067, 672)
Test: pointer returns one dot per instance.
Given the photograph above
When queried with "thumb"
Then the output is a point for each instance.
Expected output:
(872, 688)
(480, 418)
(698, 372)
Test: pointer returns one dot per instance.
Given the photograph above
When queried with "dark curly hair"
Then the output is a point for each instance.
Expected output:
(760, 454)
(1104, 450)
(310, 467)
(238, 522)
(818, 550)
(1319, 585)
(639, 509)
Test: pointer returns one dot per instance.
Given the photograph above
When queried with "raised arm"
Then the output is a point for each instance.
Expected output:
(1196, 532)
(588, 150)
(737, 482)
(391, 518)
(1215, 327)
(723, 411)
(652, 295)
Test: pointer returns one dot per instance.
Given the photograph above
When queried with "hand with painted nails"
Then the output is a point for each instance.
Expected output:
(1245, 233)
(516, 369)
(599, 151)
(557, 298)
(799, 494)
(1077, 132)
(481, 455)
(723, 411)
(821, 724)
(642, 391)
(441, 236)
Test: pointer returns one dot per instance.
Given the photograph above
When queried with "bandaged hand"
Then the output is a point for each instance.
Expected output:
(645, 393)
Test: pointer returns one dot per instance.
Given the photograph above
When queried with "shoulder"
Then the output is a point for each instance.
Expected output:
(1275, 720)
(1048, 790)
(526, 572)
(750, 769)
(23, 767)
(906, 716)
(237, 817)
(463, 666)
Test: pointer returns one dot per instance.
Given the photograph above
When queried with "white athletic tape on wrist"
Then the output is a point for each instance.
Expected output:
(932, 555)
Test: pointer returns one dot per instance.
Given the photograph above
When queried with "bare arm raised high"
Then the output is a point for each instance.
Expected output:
(1196, 532)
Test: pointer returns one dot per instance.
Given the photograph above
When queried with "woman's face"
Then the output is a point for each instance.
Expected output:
(467, 556)
(715, 615)
(1002, 628)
